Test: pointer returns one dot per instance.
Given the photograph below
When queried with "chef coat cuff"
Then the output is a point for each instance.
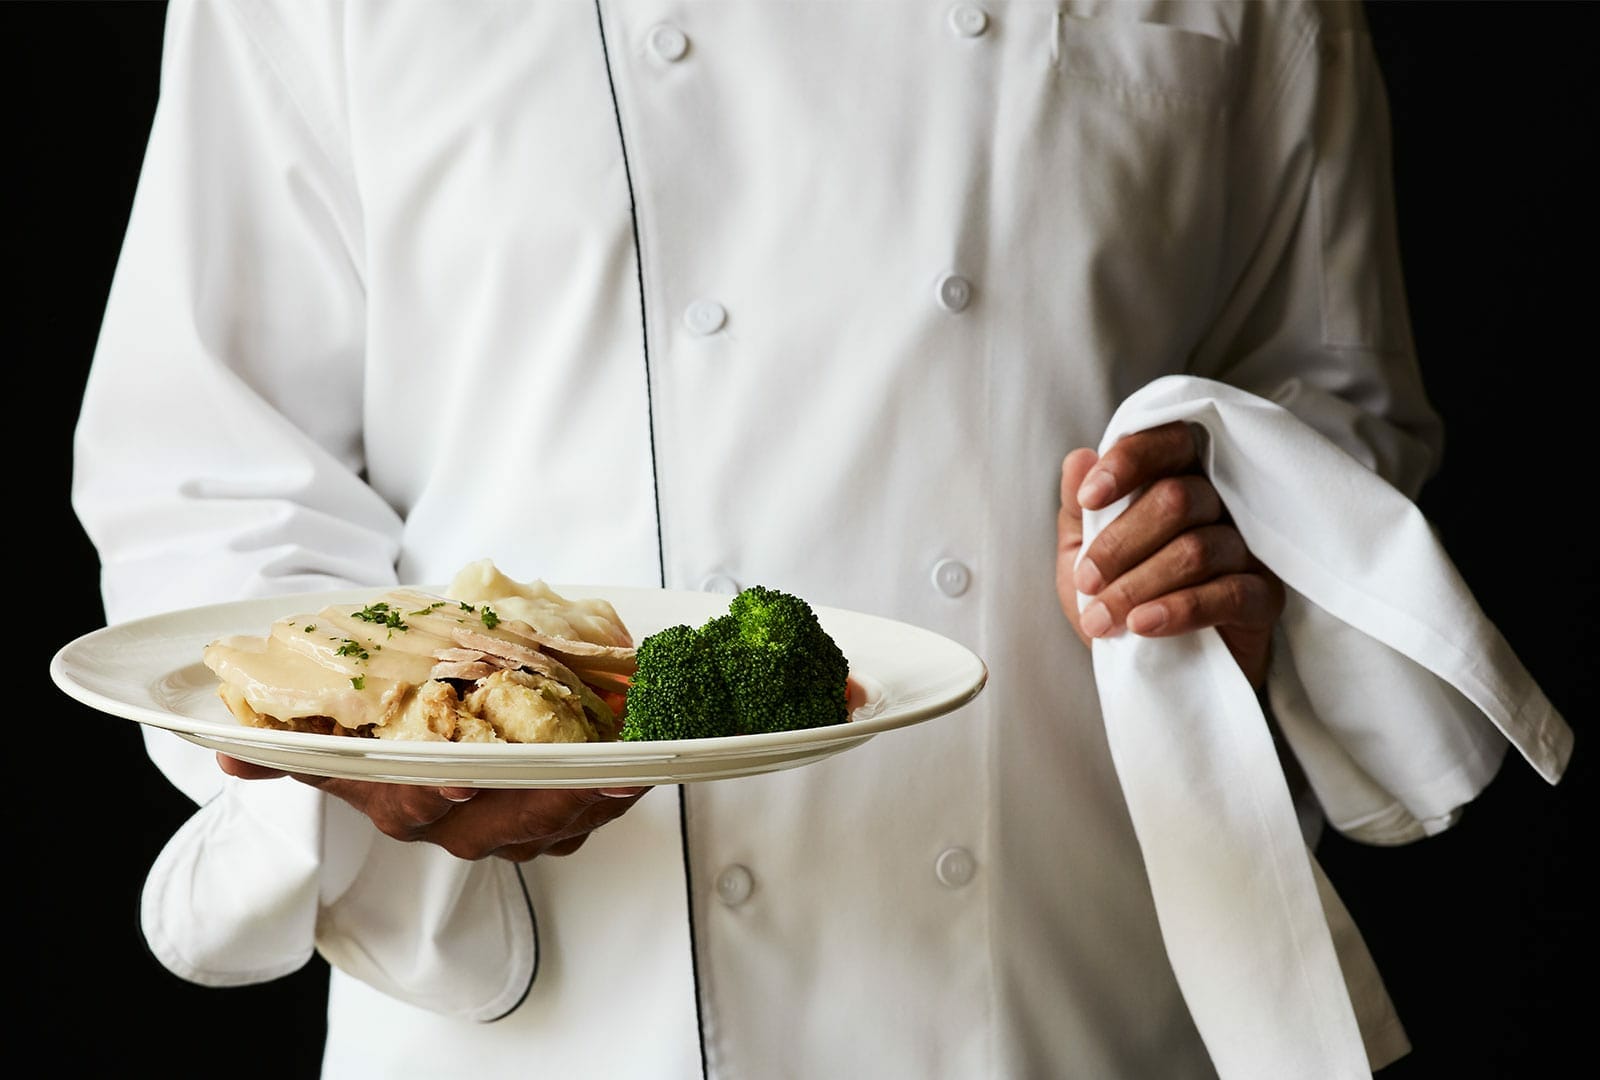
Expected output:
(456, 937)
(270, 871)
(1391, 754)
(232, 897)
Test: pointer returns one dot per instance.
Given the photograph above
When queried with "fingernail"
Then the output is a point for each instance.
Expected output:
(1096, 489)
(1087, 577)
(459, 794)
(1147, 619)
(1095, 620)
(622, 792)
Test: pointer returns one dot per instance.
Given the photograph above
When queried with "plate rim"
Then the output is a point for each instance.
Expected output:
(504, 756)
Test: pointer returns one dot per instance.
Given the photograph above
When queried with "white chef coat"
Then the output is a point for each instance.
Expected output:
(709, 293)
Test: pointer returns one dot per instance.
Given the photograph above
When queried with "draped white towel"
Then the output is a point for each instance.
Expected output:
(1394, 690)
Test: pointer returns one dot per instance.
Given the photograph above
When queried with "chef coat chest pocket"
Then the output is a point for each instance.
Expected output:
(1142, 97)
(1152, 62)
(1119, 197)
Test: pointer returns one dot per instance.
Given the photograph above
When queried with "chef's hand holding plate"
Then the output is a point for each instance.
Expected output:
(471, 823)
(1171, 562)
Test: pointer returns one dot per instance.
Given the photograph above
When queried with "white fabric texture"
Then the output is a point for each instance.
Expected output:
(479, 951)
(261, 912)
(1380, 614)
(330, 883)
(405, 286)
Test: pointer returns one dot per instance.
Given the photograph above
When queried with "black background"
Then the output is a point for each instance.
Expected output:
(1483, 933)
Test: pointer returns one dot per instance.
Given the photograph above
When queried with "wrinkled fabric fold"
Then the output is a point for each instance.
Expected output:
(232, 897)
(1395, 692)
(457, 938)
(270, 871)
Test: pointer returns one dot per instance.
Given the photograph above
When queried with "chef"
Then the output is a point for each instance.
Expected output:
(833, 297)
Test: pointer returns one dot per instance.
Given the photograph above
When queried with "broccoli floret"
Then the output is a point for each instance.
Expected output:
(782, 670)
(677, 690)
(767, 665)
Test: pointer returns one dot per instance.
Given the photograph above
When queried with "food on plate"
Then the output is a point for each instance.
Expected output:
(538, 605)
(494, 660)
(490, 660)
(767, 665)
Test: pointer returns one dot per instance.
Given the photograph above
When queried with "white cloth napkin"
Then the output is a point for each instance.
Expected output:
(1392, 688)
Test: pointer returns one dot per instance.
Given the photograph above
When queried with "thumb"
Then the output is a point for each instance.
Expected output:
(1074, 468)
(1069, 531)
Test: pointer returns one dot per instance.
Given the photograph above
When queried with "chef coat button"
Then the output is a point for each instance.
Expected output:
(734, 885)
(668, 42)
(968, 20)
(719, 583)
(951, 577)
(705, 317)
(954, 292)
(955, 867)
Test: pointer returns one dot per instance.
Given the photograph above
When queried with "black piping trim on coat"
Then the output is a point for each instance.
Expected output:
(533, 920)
(644, 322)
(655, 478)
(688, 902)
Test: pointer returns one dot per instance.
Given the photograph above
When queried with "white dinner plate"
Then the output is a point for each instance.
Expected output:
(150, 670)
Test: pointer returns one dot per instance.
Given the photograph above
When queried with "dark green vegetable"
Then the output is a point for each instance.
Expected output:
(765, 666)
(677, 690)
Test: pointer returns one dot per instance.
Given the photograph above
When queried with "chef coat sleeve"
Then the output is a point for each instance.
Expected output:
(1316, 320)
(218, 453)
(218, 456)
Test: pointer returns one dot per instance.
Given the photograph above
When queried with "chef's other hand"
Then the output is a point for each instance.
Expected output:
(471, 823)
(1171, 562)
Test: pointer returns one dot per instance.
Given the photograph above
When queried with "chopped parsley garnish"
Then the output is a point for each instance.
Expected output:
(359, 682)
(352, 648)
(381, 614)
(430, 609)
(467, 607)
(310, 627)
(490, 619)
